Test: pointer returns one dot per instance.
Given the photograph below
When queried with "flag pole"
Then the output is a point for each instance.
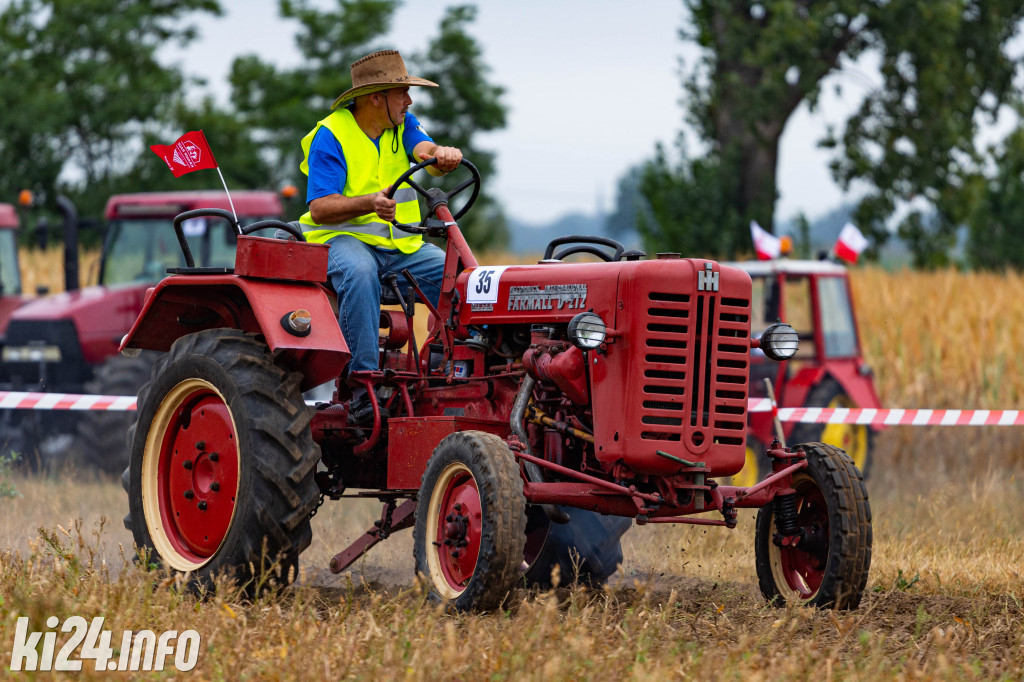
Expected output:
(230, 203)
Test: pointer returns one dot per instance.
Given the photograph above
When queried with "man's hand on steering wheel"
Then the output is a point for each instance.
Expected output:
(448, 158)
(434, 196)
(384, 206)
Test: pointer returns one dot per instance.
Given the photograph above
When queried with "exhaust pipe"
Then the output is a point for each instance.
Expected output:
(533, 472)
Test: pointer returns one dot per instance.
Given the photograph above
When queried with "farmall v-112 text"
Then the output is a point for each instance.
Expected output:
(544, 396)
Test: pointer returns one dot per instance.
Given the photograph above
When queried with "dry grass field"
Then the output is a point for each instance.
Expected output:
(945, 595)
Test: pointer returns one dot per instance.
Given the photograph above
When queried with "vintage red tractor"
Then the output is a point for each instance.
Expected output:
(544, 396)
(829, 370)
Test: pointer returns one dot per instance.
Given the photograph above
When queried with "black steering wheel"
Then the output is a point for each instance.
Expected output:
(585, 244)
(435, 196)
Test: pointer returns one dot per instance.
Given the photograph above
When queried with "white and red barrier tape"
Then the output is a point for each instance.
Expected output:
(17, 400)
(890, 416)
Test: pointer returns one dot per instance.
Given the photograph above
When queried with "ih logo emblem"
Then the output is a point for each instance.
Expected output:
(187, 154)
(708, 279)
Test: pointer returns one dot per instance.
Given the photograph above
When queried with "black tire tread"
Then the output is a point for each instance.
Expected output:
(850, 532)
(587, 550)
(504, 516)
(282, 493)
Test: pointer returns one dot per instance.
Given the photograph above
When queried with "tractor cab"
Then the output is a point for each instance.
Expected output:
(10, 275)
(828, 370)
(140, 244)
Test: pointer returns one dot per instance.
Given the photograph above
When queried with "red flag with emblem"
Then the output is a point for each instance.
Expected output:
(190, 152)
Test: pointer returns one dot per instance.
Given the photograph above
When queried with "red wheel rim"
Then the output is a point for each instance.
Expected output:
(456, 514)
(803, 567)
(191, 471)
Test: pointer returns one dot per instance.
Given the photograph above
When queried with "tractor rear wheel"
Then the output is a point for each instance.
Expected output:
(222, 461)
(587, 550)
(100, 439)
(828, 565)
(470, 521)
(854, 439)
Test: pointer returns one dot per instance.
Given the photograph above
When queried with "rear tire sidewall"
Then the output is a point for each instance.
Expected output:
(247, 548)
(587, 550)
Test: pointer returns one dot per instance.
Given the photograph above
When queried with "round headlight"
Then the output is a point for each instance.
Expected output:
(587, 331)
(780, 342)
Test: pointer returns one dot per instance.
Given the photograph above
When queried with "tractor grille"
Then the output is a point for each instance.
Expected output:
(694, 369)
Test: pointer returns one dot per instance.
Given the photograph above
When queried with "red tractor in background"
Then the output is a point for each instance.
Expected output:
(543, 396)
(10, 274)
(67, 342)
(814, 297)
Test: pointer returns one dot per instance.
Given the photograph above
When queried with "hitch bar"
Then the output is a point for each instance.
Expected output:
(391, 519)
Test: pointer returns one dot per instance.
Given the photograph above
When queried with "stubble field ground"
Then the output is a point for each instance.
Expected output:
(945, 597)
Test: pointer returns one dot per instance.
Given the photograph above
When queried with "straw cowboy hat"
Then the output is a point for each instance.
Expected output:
(379, 71)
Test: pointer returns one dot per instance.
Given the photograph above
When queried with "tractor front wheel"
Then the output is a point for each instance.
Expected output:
(222, 461)
(825, 561)
(470, 521)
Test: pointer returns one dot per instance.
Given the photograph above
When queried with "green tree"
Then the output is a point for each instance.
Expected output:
(81, 85)
(944, 65)
(996, 223)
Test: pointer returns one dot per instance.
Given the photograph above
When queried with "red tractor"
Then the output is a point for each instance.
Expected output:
(544, 396)
(10, 274)
(67, 342)
(814, 297)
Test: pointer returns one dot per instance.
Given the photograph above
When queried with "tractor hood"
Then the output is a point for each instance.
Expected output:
(100, 316)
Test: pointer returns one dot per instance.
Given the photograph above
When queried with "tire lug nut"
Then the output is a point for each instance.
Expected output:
(202, 505)
(201, 445)
(458, 506)
(214, 456)
(450, 518)
(215, 486)
(448, 542)
(189, 494)
(188, 463)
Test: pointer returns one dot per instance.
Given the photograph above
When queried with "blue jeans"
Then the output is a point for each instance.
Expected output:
(356, 269)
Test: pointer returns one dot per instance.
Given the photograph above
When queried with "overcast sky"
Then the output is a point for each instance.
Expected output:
(591, 86)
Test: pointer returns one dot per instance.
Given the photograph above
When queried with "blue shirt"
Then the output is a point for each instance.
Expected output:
(327, 168)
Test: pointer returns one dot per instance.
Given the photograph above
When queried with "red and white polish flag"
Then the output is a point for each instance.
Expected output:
(767, 245)
(190, 152)
(850, 243)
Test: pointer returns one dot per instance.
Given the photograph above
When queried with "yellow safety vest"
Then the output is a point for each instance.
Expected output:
(369, 171)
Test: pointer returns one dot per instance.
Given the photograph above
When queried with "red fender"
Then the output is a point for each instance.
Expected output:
(183, 304)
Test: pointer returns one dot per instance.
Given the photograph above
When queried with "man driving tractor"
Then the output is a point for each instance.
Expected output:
(351, 163)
